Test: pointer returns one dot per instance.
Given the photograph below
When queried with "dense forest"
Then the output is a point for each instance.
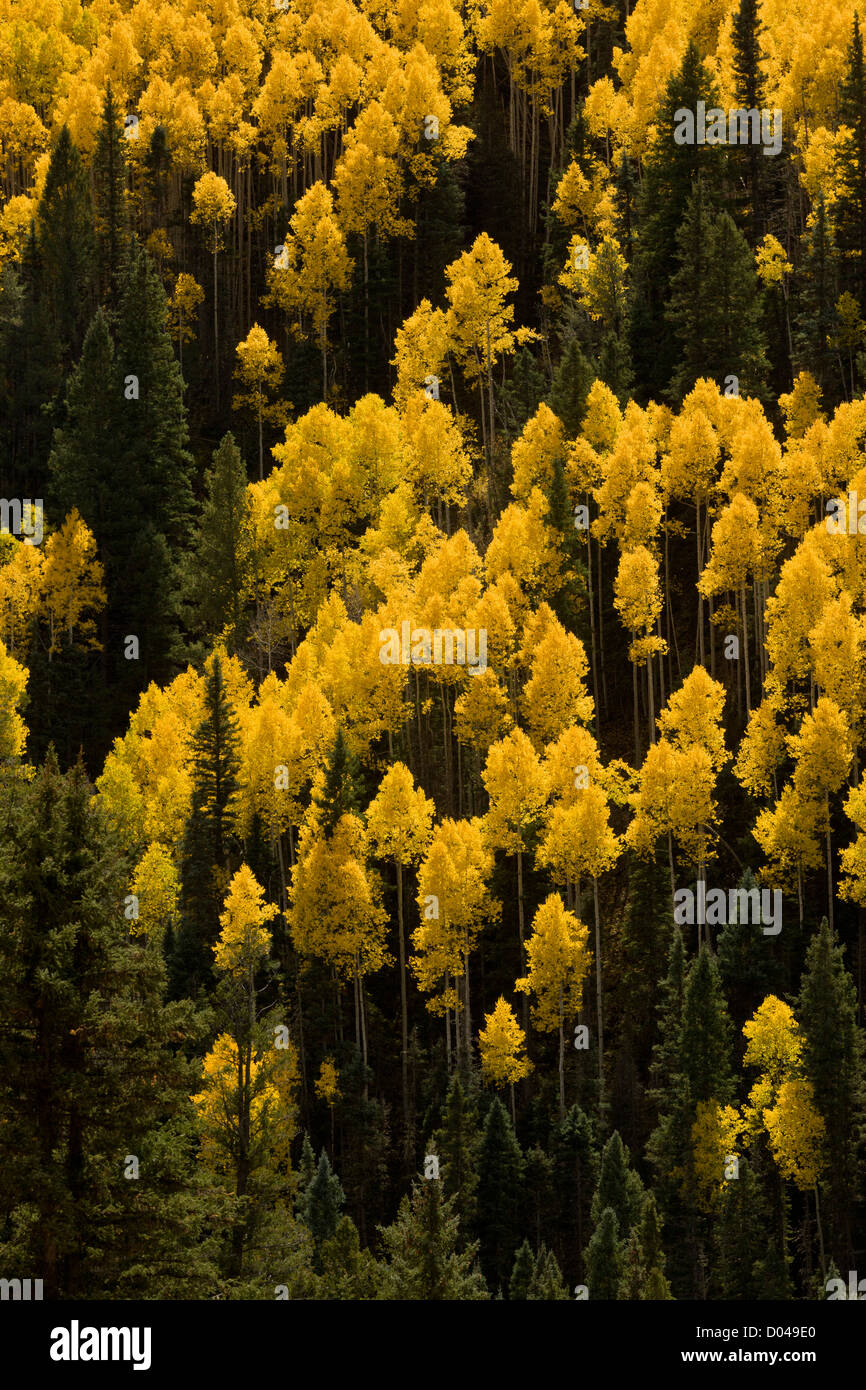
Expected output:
(432, 649)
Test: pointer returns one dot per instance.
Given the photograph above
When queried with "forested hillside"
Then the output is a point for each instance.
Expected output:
(432, 648)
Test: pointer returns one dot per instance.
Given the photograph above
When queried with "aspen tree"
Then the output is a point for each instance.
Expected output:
(214, 204)
(558, 963)
(516, 784)
(399, 821)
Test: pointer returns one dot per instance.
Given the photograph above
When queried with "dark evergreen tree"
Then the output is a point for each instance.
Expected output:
(547, 1283)
(715, 305)
(218, 565)
(666, 1063)
(64, 228)
(457, 1142)
(815, 293)
(850, 207)
(109, 201)
(422, 1250)
(121, 458)
(705, 1040)
(30, 376)
(670, 174)
(99, 1197)
(520, 398)
(748, 972)
(575, 1159)
(619, 1187)
(500, 1197)
(306, 1169)
(322, 1202)
(348, 1272)
(634, 1272)
(521, 1273)
(209, 846)
(604, 1258)
(747, 163)
(833, 1062)
(572, 380)
(743, 1224)
(340, 793)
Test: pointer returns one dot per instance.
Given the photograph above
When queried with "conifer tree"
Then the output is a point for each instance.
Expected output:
(500, 1196)
(109, 201)
(715, 305)
(604, 1258)
(97, 1196)
(457, 1142)
(219, 566)
(850, 208)
(209, 841)
(64, 228)
(670, 175)
(575, 1159)
(321, 1203)
(743, 1223)
(748, 162)
(833, 1062)
(522, 1273)
(815, 292)
(547, 1283)
(748, 972)
(423, 1256)
(619, 1187)
(339, 794)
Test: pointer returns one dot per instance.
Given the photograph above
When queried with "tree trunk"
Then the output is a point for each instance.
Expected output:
(598, 998)
(404, 1018)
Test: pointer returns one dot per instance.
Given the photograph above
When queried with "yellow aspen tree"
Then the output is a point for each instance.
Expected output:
(781, 1100)
(789, 835)
(336, 911)
(558, 964)
(244, 1090)
(21, 585)
(736, 555)
(437, 463)
(524, 549)
(761, 750)
(638, 601)
(269, 739)
(801, 406)
(186, 296)
(533, 455)
(823, 752)
(579, 842)
(516, 784)
(260, 371)
(479, 321)
(156, 885)
(555, 696)
(318, 267)
(805, 586)
(715, 1139)
(501, 1043)
(674, 800)
(72, 583)
(214, 204)
(421, 348)
(13, 681)
(455, 904)
(481, 713)
(399, 827)
(689, 473)
(836, 645)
